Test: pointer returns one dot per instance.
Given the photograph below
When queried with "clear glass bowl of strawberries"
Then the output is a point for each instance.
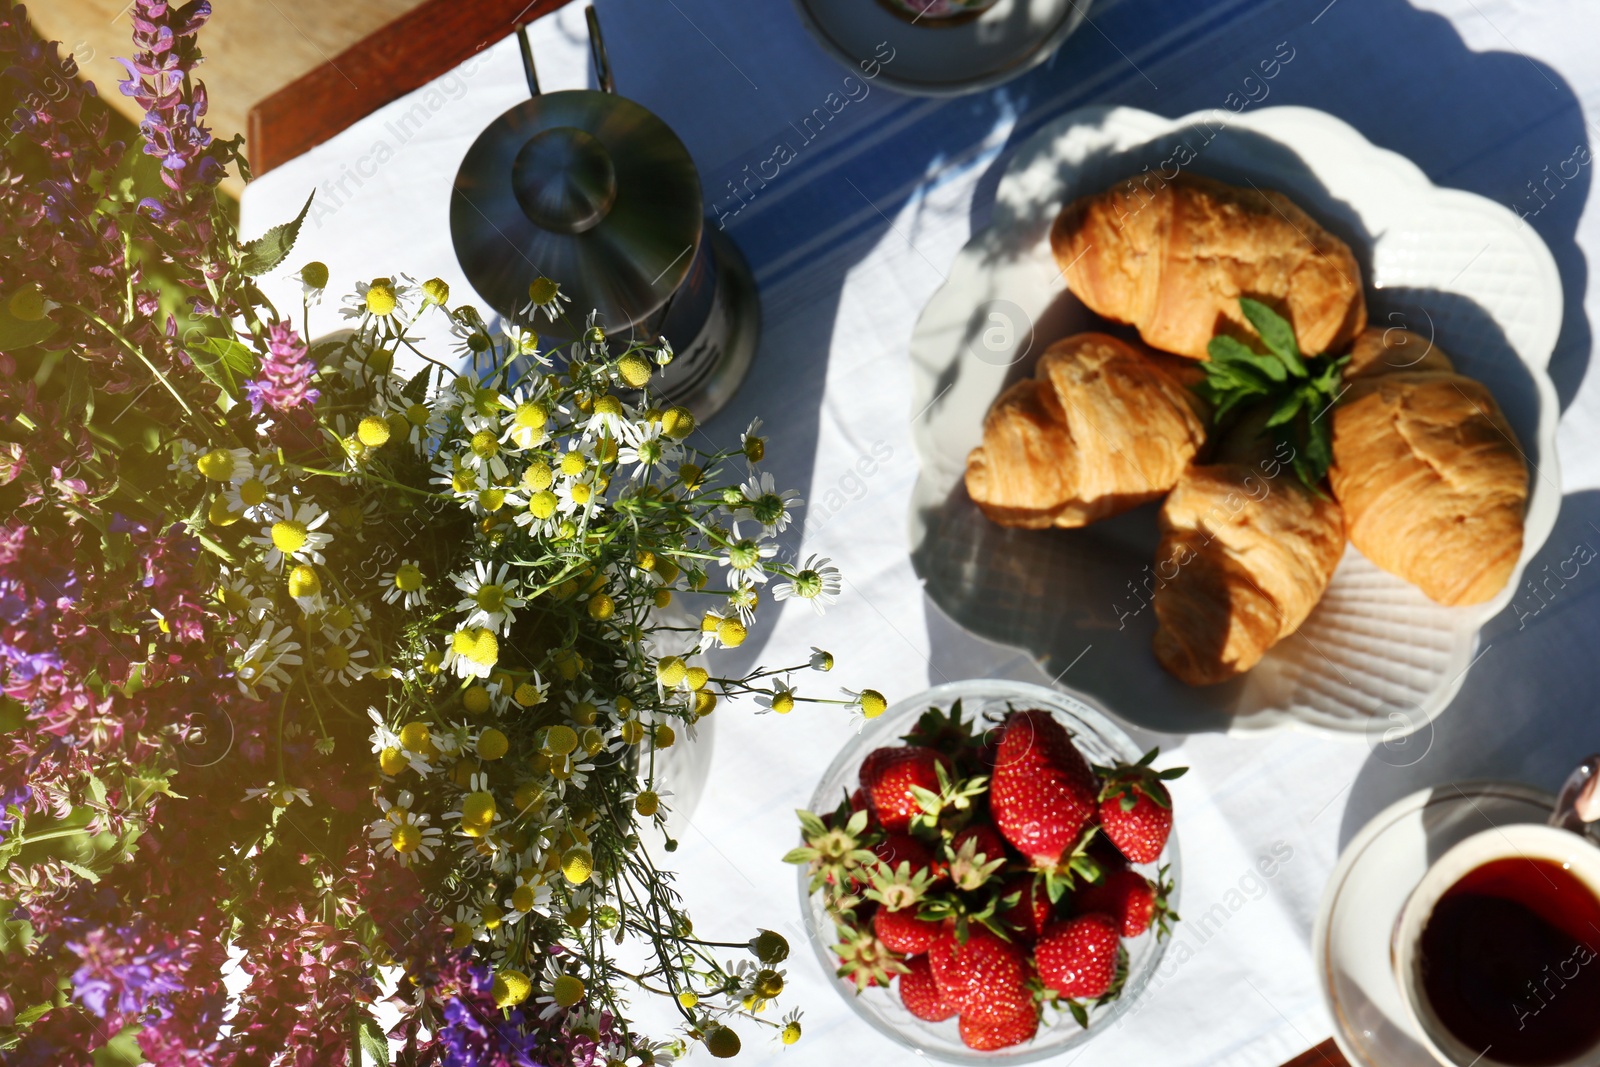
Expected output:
(991, 872)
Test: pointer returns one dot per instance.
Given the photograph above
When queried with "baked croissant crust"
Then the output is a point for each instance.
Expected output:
(1428, 471)
(1175, 260)
(1098, 429)
(1242, 562)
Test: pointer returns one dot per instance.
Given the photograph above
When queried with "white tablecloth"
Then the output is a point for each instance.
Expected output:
(849, 241)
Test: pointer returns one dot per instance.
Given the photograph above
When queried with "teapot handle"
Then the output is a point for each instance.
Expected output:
(1578, 806)
(597, 53)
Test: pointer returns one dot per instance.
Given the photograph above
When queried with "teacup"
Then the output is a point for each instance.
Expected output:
(1497, 951)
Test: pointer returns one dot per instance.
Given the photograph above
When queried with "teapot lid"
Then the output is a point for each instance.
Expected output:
(586, 188)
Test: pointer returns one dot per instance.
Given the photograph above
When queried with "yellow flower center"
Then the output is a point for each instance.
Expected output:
(560, 739)
(522, 898)
(303, 582)
(408, 578)
(336, 657)
(601, 607)
(731, 632)
(340, 618)
(783, 703)
(582, 493)
(538, 476)
(216, 465)
(491, 598)
(530, 416)
(252, 492)
(475, 699)
(607, 405)
(671, 671)
(218, 514)
(391, 761)
(634, 369)
(289, 536)
(477, 813)
(697, 677)
(492, 500)
(463, 481)
(511, 988)
(542, 291)
(476, 645)
(872, 703)
(567, 990)
(417, 414)
(542, 505)
(485, 445)
(492, 744)
(373, 431)
(381, 298)
(527, 695)
(414, 736)
(405, 838)
(577, 864)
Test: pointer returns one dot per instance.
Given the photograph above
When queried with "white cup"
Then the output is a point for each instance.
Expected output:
(1533, 841)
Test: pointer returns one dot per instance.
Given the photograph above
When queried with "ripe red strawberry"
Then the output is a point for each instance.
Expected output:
(1127, 896)
(888, 775)
(1031, 913)
(989, 1032)
(991, 845)
(984, 976)
(858, 800)
(1136, 809)
(920, 994)
(902, 931)
(1078, 957)
(1137, 817)
(1042, 793)
(896, 849)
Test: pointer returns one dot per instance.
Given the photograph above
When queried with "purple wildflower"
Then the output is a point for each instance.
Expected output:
(285, 373)
(157, 73)
(476, 1033)
(120, 977)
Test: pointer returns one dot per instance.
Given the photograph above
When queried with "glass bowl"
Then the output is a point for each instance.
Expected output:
(1102, 742)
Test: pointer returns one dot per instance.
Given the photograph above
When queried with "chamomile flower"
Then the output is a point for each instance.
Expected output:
(546, 296)
(251, 497)
(406, 584)
(263, 661)
(818, 582)
(405, 834)
(471, 339)
(238, 594)
(745, 557)
(780, 700)
(459, 478)
(339, 660)
(575, 495)
(381, 298)
(530, 893)
(472, 652)
(313, 282)
(226, 465)
(821, 660)
(426, 422)
(279, 796)
(484, 455)
(525, 343)
(649, 450)
(743, 602)
(527, 419)
(764, 503)
(295, 535)
(864, 705)
(753, 447)
(491, 597)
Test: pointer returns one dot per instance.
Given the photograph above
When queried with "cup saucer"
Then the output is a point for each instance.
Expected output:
(1375, 875)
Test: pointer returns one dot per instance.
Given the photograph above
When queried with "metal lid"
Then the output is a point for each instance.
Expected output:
(587, 188)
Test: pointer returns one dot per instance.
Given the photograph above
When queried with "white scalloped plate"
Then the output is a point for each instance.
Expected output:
(1376, 658)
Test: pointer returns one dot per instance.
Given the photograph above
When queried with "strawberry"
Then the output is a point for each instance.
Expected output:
(1078, 957)
(991, 846)
(1130, 898)
(988, 1032)
(1031, 913)
(1042, 793)
(984, 976)
(858, 800)
(902, 931)
(1136, 809)
(889, 774)
(896, 849)
(920, 994)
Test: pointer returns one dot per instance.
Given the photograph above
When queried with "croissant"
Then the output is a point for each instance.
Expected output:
(1242, 562)
(1174, 262)
(1427, 469)
(1098, 429)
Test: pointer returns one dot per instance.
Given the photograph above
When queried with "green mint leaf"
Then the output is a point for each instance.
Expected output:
(373, 1041)
(1276, 334)
(1224, 350)
(1287, 409)
(226, 362)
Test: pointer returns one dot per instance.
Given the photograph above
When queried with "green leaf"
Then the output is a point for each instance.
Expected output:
(416, 390)
(1224, 350)
(1288, 409)
(226, 362)
(373, 1041)
(800, 855)
(121, 1051)
(1275, 332)
(273, 247)
(16, 334)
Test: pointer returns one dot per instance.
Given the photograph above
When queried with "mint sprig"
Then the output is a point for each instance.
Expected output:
(1299, 390)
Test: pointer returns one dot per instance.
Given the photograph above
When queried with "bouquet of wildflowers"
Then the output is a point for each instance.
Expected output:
(326, 685)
